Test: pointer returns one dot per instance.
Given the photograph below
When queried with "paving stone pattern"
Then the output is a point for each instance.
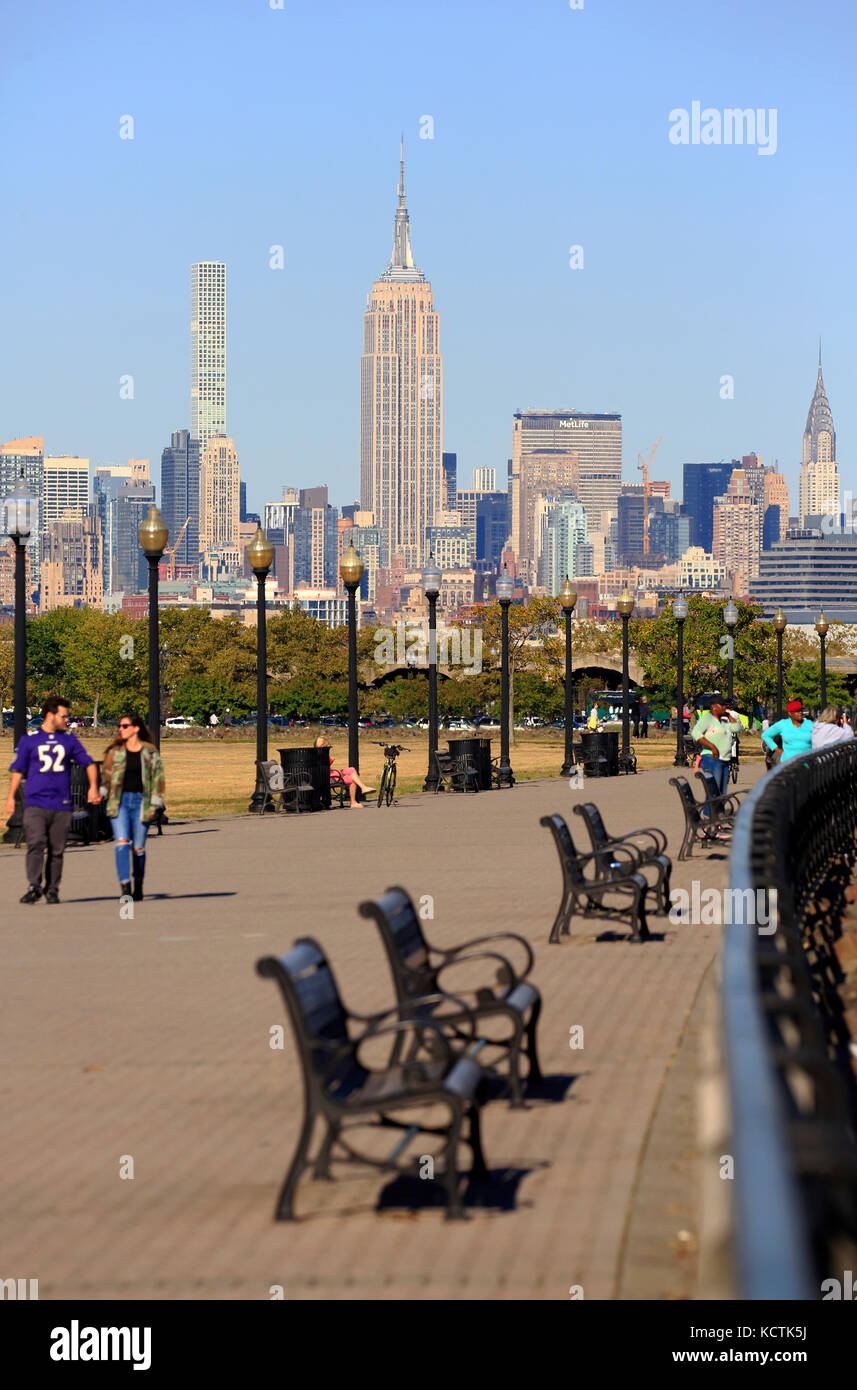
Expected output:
(149, 1038)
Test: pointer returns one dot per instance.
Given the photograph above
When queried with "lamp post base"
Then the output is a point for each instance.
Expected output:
(430, 784)
(567, 768)
(505, 776)
(258, 799)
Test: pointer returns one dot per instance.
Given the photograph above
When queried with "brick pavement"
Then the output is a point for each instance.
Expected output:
(150, 1038)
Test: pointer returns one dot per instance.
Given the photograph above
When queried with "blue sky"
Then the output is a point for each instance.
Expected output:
(255, 126)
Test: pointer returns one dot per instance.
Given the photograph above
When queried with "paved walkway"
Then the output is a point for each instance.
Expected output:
(149, 1038)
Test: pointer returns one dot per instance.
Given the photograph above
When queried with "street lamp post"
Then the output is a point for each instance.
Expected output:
(505, 590)
(730, 618)
(351, 572)
(568, 598)
(680, 614)
(780, 623)
(626, 608)
(821, 626)
(431, 589)
(20, 519)
(153, 536)
(260, 553)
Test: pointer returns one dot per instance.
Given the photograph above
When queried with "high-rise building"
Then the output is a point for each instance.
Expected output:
(450, 481)
(24, 460)
(316, 532)
(219, 480)
(207, 351)
(106, 482)
(72, 569)
(702, 482)
(669, 533)
(554, 450)
(130, 570)
(805, 572)
(485, 480)
(775, 496)
(492, 529)
(66, 495)
(401, 400)
(180, 478)
(738, 531)
(450, 542)
(563, 543)
(819, 473)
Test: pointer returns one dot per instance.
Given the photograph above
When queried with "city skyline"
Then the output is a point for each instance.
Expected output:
(692, 272)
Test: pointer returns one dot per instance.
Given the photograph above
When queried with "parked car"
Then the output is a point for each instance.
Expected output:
(460, 726)
(181, 721)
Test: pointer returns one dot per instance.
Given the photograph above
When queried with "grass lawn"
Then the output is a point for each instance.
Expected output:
(213, 774)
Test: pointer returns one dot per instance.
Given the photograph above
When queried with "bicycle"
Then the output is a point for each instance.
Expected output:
(388, 776)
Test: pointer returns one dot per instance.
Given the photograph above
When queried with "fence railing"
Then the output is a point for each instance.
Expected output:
(791, 1084)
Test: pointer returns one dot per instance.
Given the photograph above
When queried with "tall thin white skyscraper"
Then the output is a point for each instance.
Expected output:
(207, 351)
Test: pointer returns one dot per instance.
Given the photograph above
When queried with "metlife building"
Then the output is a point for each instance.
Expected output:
(583, 451)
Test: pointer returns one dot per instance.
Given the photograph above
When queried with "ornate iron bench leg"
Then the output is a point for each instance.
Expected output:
(479, 1169)
(639, 925)
(454, 1208)
(535, 1072)
(285, 1204)
(322, 1162)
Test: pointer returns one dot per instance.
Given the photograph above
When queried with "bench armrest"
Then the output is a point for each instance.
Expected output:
(657, 836)
(505, 975)
(498, 936)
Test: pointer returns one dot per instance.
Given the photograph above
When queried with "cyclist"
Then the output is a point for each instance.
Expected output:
(350, 776)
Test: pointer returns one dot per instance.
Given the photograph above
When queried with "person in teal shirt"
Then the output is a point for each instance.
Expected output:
(795, 732)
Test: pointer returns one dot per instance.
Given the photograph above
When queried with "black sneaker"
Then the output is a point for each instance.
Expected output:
(52, 895)
(32, 895)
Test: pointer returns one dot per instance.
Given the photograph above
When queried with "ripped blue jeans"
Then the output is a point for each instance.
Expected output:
(129, 826)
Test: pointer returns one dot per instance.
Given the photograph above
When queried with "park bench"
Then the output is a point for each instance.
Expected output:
(704, 830)
(458, 773)
(586, 896)
(647, 845)
(339, 788)
(419, 970)
(346, 1093)
(281, 790)
(727, 804)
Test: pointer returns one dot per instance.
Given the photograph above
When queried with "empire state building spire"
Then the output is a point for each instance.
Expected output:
(401, 265)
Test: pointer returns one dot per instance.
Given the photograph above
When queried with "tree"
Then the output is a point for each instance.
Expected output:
(533, 642)
(655, 641)
(802, 680)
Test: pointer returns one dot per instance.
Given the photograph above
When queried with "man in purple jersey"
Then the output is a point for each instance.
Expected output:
(45, 760)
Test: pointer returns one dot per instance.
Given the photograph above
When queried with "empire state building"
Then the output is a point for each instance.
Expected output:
(401, 399)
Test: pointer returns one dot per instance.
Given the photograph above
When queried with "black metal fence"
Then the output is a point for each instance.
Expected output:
(793, 1097)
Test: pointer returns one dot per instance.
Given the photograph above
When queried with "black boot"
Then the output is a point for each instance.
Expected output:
(138, 867)
(125, 890)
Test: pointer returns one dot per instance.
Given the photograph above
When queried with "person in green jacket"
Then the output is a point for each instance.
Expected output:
(132, 777)
(794, 730)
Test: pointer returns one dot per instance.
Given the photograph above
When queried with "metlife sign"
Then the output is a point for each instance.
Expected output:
(574, 424)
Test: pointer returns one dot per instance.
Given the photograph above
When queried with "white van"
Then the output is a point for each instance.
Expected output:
(181, 721)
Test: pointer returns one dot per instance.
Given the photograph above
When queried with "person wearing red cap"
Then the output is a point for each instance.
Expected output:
(795, 732)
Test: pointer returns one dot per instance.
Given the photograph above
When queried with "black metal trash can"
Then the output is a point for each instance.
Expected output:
(308, 765)
(600, 753)
(479, 750)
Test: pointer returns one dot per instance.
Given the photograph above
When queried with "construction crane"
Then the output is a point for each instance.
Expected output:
(171, 561)
(644, 467)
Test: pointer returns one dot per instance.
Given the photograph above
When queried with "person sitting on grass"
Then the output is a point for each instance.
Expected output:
(349, 775)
